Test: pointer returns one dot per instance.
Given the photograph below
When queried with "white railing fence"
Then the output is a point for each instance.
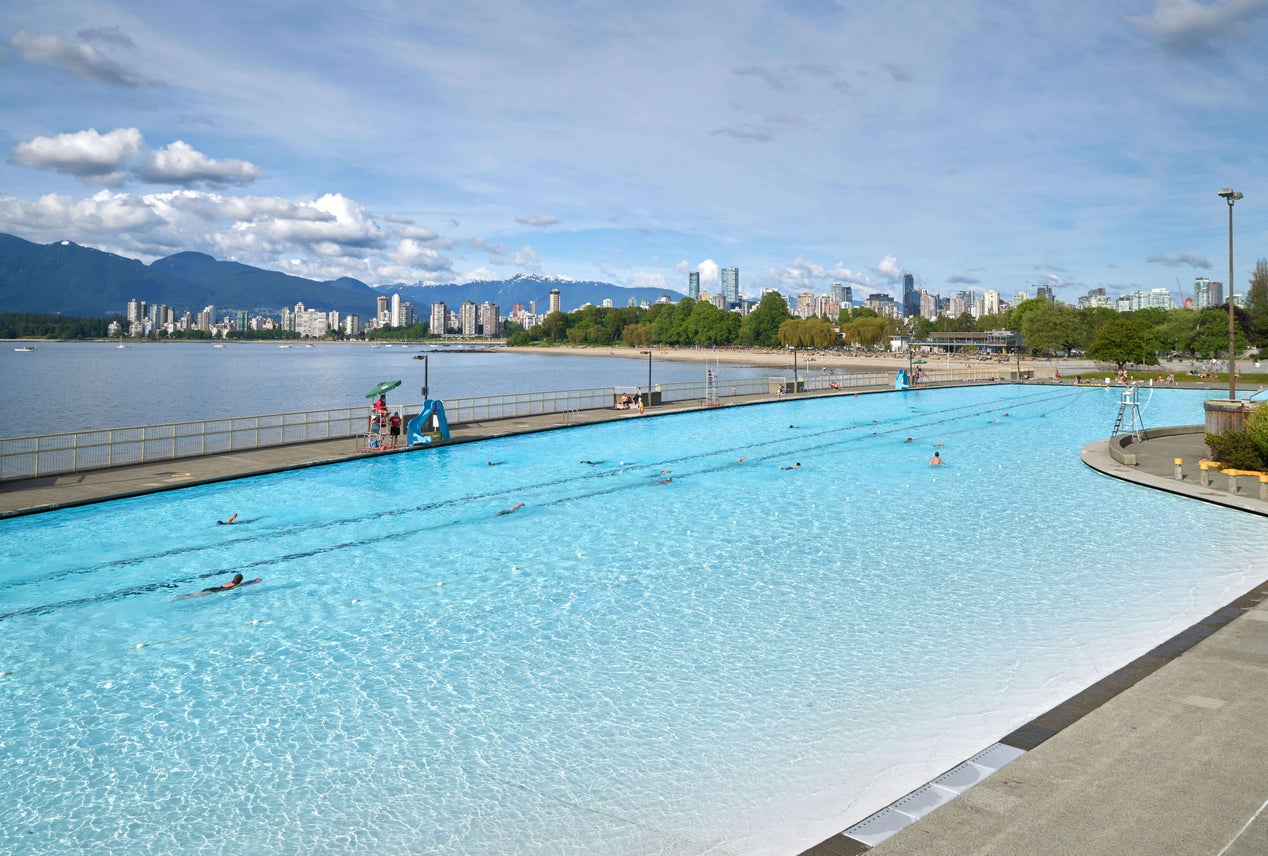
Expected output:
(76, 451)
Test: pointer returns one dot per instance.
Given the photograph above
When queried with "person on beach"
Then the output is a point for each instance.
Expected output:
(232, 584)
(936, 460)
(233, 518)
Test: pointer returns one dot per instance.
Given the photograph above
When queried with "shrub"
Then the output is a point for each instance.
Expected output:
(1257, 428)
(1236, 450)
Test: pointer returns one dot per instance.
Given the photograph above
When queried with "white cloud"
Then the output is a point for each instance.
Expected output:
(526, 257)
(115, 157)
(888, 269)
(647, 279)
(79, 60)
(709, 272)
(1192, 260)
(1186, 24)
(180, 164)
(541, 220)
(481, 245)
(91, 157)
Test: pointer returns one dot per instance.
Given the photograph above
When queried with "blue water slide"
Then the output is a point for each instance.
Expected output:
(901, 381)
(417, 430)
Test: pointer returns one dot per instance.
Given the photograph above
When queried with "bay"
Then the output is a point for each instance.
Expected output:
(77, 386)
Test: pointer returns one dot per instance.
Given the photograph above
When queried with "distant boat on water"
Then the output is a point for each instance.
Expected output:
(217, 346)
(25, 349)
(283, 346)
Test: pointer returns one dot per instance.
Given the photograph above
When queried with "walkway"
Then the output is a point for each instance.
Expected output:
(34, 495)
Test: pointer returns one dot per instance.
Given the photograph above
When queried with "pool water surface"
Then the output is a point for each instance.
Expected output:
(665, 650)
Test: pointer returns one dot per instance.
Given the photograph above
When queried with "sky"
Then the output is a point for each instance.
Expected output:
(981, 144)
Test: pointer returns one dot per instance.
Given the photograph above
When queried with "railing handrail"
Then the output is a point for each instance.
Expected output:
(74, 451)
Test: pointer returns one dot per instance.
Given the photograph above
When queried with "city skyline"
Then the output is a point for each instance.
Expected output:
(999, 146)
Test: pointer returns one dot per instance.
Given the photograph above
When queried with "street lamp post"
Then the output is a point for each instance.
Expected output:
(648, 397)
(425, 376)
(793, 348)
(1230, 196)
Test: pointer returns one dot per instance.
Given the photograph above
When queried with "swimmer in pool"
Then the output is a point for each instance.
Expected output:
(232, 584)
(795, 466)
(516, 507)
(936, 460)
(233, 518)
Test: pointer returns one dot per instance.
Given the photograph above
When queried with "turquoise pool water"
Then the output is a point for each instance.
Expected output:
(741, 660)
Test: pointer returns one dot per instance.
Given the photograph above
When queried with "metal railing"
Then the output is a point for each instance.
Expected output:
(53, 454)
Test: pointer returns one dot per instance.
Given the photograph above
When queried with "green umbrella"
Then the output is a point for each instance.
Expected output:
(386, 386)
(919, 362)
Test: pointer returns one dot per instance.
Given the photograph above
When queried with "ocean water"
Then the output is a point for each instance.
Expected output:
(73, 386)
(667, 650)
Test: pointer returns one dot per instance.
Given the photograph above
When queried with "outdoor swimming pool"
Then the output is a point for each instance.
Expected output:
(742, 660)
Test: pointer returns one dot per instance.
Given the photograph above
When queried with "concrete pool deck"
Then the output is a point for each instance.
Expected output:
(1166, 755)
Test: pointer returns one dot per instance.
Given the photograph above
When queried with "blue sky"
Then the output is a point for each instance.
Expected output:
(973, 144)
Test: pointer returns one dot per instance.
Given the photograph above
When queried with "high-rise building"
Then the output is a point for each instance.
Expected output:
(1216, 293)
(438, 325)
(990, 302)
(490, 319)
(731, 286)
(911, 297)
(843, 295)
(1045, 291)
(468, 317)
(928, 305)
(382, 310)
(1202, 293)
(805, 305)
(693, 285)
(555, 302)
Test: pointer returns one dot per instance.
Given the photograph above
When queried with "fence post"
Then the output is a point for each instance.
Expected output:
(1179, 462)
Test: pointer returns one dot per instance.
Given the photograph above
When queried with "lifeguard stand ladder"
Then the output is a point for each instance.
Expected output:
(711, 381)
(1129, 415)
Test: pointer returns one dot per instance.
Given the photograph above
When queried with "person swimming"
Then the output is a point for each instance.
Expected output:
(795, 466)
(233, 518)
(234, 583)
(516, 507)
(936, 460)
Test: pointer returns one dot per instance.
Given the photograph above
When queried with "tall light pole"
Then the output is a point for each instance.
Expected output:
(648, 398)
(425, 356)
(1230, 196)
(793, 348)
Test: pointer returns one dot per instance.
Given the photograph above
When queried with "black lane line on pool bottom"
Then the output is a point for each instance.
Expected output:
(147, 588)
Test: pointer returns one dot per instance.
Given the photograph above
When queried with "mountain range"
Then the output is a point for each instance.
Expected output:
(65, 278)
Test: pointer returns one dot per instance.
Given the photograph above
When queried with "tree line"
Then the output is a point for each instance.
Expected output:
(1045, 327)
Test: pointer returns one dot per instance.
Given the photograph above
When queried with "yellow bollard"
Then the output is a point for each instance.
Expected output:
(1179, 462)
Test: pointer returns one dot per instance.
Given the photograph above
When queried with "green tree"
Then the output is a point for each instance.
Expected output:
(1257, 304)
(761, 326)
(1124, 340)
(1052, 327)
(554, 325)
(1211, 339)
